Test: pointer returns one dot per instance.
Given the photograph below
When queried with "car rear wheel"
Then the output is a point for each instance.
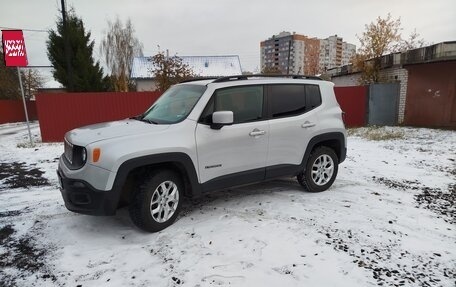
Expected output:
(156, 203)
(321, 170)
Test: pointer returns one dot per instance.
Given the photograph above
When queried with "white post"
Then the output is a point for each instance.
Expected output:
(25, 106)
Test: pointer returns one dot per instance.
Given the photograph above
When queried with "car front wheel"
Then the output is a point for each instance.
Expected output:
(321, 170)
(156, 203)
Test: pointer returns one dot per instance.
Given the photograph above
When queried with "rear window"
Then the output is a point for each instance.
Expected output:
(291, 100)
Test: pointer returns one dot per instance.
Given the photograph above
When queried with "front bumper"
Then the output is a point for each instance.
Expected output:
(79, 196)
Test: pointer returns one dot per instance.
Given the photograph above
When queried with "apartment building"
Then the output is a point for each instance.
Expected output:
(298, 54)
(334, 52)
(290, 53)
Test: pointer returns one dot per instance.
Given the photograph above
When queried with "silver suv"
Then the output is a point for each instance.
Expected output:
(201, 136)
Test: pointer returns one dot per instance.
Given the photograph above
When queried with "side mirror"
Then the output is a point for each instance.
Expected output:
(221, 118)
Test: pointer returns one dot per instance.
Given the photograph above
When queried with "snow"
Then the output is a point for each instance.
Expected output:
(368, 225)
(202, 66)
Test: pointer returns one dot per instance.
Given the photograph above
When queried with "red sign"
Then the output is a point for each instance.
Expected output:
(14, 48)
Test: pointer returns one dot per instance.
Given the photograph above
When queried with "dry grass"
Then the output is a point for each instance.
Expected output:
(25, 145)
(375, 133)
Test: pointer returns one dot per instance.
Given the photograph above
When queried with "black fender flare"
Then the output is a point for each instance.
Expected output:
(316, 140)
(164, 158)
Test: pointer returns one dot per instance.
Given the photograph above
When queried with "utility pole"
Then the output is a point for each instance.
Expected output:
(25, 106)
(66, 41)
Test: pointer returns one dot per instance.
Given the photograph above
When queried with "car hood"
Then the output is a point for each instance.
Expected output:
(89, 134)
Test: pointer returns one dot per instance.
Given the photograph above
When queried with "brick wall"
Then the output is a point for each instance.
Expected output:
(347, 80)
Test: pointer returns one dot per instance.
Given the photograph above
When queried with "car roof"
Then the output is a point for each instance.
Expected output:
(257, 78)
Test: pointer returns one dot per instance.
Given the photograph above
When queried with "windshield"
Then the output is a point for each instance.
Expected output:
(174, 105)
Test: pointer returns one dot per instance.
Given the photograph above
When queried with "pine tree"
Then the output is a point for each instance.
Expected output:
(87, 75)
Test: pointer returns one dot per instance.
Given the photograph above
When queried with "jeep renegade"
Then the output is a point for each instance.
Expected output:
(201, 136)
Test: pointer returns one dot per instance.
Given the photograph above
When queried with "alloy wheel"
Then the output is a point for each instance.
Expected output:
(322, 169)
(164, 201)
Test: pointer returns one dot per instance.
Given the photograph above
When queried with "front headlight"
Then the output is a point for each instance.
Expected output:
(79, 156)
(84, 155)
(76, 156)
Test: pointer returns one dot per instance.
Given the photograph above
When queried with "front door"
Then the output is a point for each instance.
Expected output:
(235, 152)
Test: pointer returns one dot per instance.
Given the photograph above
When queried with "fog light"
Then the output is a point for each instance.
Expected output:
(78, 184)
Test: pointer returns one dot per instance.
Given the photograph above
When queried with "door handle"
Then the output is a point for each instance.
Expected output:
(307, 125)
(256, 132)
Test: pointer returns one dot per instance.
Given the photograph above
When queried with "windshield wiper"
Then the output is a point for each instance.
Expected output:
(143, 119)
(138, 117)
(148, 121)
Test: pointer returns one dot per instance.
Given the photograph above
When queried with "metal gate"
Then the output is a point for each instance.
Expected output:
(383, 104)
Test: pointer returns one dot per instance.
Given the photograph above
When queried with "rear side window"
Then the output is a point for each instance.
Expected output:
(291, 100)
(313, 96)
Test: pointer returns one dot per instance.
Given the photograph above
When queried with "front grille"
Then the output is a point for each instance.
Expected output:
(68, 151)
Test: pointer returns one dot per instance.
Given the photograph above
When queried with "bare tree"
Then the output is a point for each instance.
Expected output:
(271, 70)
(312, 57)
(32, 81)
(119, 47)
(412, 42)
(170, 70)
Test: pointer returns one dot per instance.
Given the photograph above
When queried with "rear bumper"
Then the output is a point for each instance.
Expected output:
(79, 196)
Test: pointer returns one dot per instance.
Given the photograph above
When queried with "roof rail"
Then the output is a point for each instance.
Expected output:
(198, 79)
(246, 77)
(231, 78)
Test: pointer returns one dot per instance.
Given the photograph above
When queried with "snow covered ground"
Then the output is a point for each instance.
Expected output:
(389, 220)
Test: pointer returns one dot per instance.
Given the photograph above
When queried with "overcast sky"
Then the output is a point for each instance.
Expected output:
(227, 27)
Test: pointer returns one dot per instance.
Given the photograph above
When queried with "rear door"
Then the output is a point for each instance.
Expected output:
(293, 121)
(234, 154)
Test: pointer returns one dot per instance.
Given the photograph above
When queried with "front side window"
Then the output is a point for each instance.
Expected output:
(174, 105)
(245, 102)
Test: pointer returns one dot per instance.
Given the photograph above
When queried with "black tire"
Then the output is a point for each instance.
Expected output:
(305, 178)
(140, 208)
